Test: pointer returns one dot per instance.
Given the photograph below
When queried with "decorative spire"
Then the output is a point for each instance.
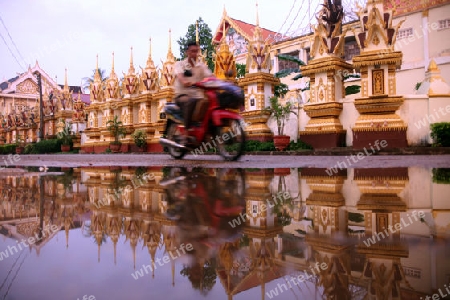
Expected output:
(223, 33)
(97, 72)
(150, 64)
(113, 73)
(112, 68)
(432, 66)
(170, 57)
(131, 70)
(170, 40)
(66, 229)
(197, 40)
(257, 15)
(173, 272)
(115, 252)
(66, 86)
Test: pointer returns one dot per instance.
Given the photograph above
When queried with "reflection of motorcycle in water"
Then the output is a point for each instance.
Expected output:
(203, 202)
(206, 197)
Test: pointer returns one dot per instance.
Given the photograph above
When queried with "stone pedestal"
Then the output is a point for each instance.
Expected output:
(257, 129)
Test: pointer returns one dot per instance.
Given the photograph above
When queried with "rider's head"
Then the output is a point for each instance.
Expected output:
(192, 50)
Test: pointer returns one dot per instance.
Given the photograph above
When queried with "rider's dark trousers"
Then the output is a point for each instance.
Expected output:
(187, 106)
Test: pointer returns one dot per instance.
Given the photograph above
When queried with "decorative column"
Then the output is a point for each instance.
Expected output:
(258, 85)
(92, 128)
(382, 207)
(78, 118)
(161, 97)
(377, 63)
(329, 242)
(326, 72)
(149, 85)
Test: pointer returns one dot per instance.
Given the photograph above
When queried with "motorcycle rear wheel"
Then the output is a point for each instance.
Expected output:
(174, 134)
(230, 138)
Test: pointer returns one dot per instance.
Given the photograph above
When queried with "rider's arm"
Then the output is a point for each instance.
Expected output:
(184, 80)
(179, 73)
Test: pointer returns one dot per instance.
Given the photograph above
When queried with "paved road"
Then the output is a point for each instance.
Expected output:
(215, 161)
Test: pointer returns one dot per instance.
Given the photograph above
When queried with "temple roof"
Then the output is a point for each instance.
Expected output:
(244, 29)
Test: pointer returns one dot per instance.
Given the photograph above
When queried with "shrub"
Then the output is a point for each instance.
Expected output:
(299, 145)
(8, 149)
(355, 217)
(440, 133)
(441, 175)
(28, 149)
(47, 146)
(352, 89)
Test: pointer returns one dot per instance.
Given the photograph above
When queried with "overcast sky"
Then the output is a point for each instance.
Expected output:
(69, 33)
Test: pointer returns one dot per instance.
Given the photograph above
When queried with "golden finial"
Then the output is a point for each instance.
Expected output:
(196, 33)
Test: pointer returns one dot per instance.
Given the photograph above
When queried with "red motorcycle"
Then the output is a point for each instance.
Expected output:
(221, 127)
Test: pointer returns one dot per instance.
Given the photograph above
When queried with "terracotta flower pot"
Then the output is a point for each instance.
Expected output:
(282, 171)
(281, 142)
(115, 148)
(65, 148)
(19, 149)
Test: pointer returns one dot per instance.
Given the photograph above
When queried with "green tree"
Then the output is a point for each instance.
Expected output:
(204, 39)
(88, 80)
(240, 68)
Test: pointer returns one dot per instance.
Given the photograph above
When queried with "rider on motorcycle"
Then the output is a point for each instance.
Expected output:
(187, 72)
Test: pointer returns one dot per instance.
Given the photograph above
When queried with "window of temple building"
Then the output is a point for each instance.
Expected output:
(404, 33)
(351, 49)
(284, 64)
(444, 24)
(412, 272)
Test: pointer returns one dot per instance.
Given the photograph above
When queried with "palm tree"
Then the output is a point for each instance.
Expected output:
(89, 80)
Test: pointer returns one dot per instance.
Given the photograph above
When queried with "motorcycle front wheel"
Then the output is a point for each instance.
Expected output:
(174, 134)
(230, 139)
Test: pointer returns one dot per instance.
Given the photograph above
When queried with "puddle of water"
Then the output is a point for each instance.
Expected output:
(158, 232)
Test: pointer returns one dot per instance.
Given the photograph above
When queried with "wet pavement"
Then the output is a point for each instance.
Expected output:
(153, 232)
(247, 161)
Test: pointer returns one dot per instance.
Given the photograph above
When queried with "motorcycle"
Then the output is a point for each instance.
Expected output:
(222, 127)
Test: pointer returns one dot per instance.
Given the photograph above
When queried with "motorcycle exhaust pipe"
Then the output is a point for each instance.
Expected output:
(169, 143)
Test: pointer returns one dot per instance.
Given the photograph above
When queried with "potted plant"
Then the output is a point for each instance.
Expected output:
(20, 144)
(281, 114)
(65, 136)
(116, 128)
(140, 139)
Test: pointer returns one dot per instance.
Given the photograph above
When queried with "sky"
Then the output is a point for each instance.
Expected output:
(70, 33)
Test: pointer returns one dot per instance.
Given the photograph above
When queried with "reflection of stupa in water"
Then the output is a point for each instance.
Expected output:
(342, 211)
(37, 206)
